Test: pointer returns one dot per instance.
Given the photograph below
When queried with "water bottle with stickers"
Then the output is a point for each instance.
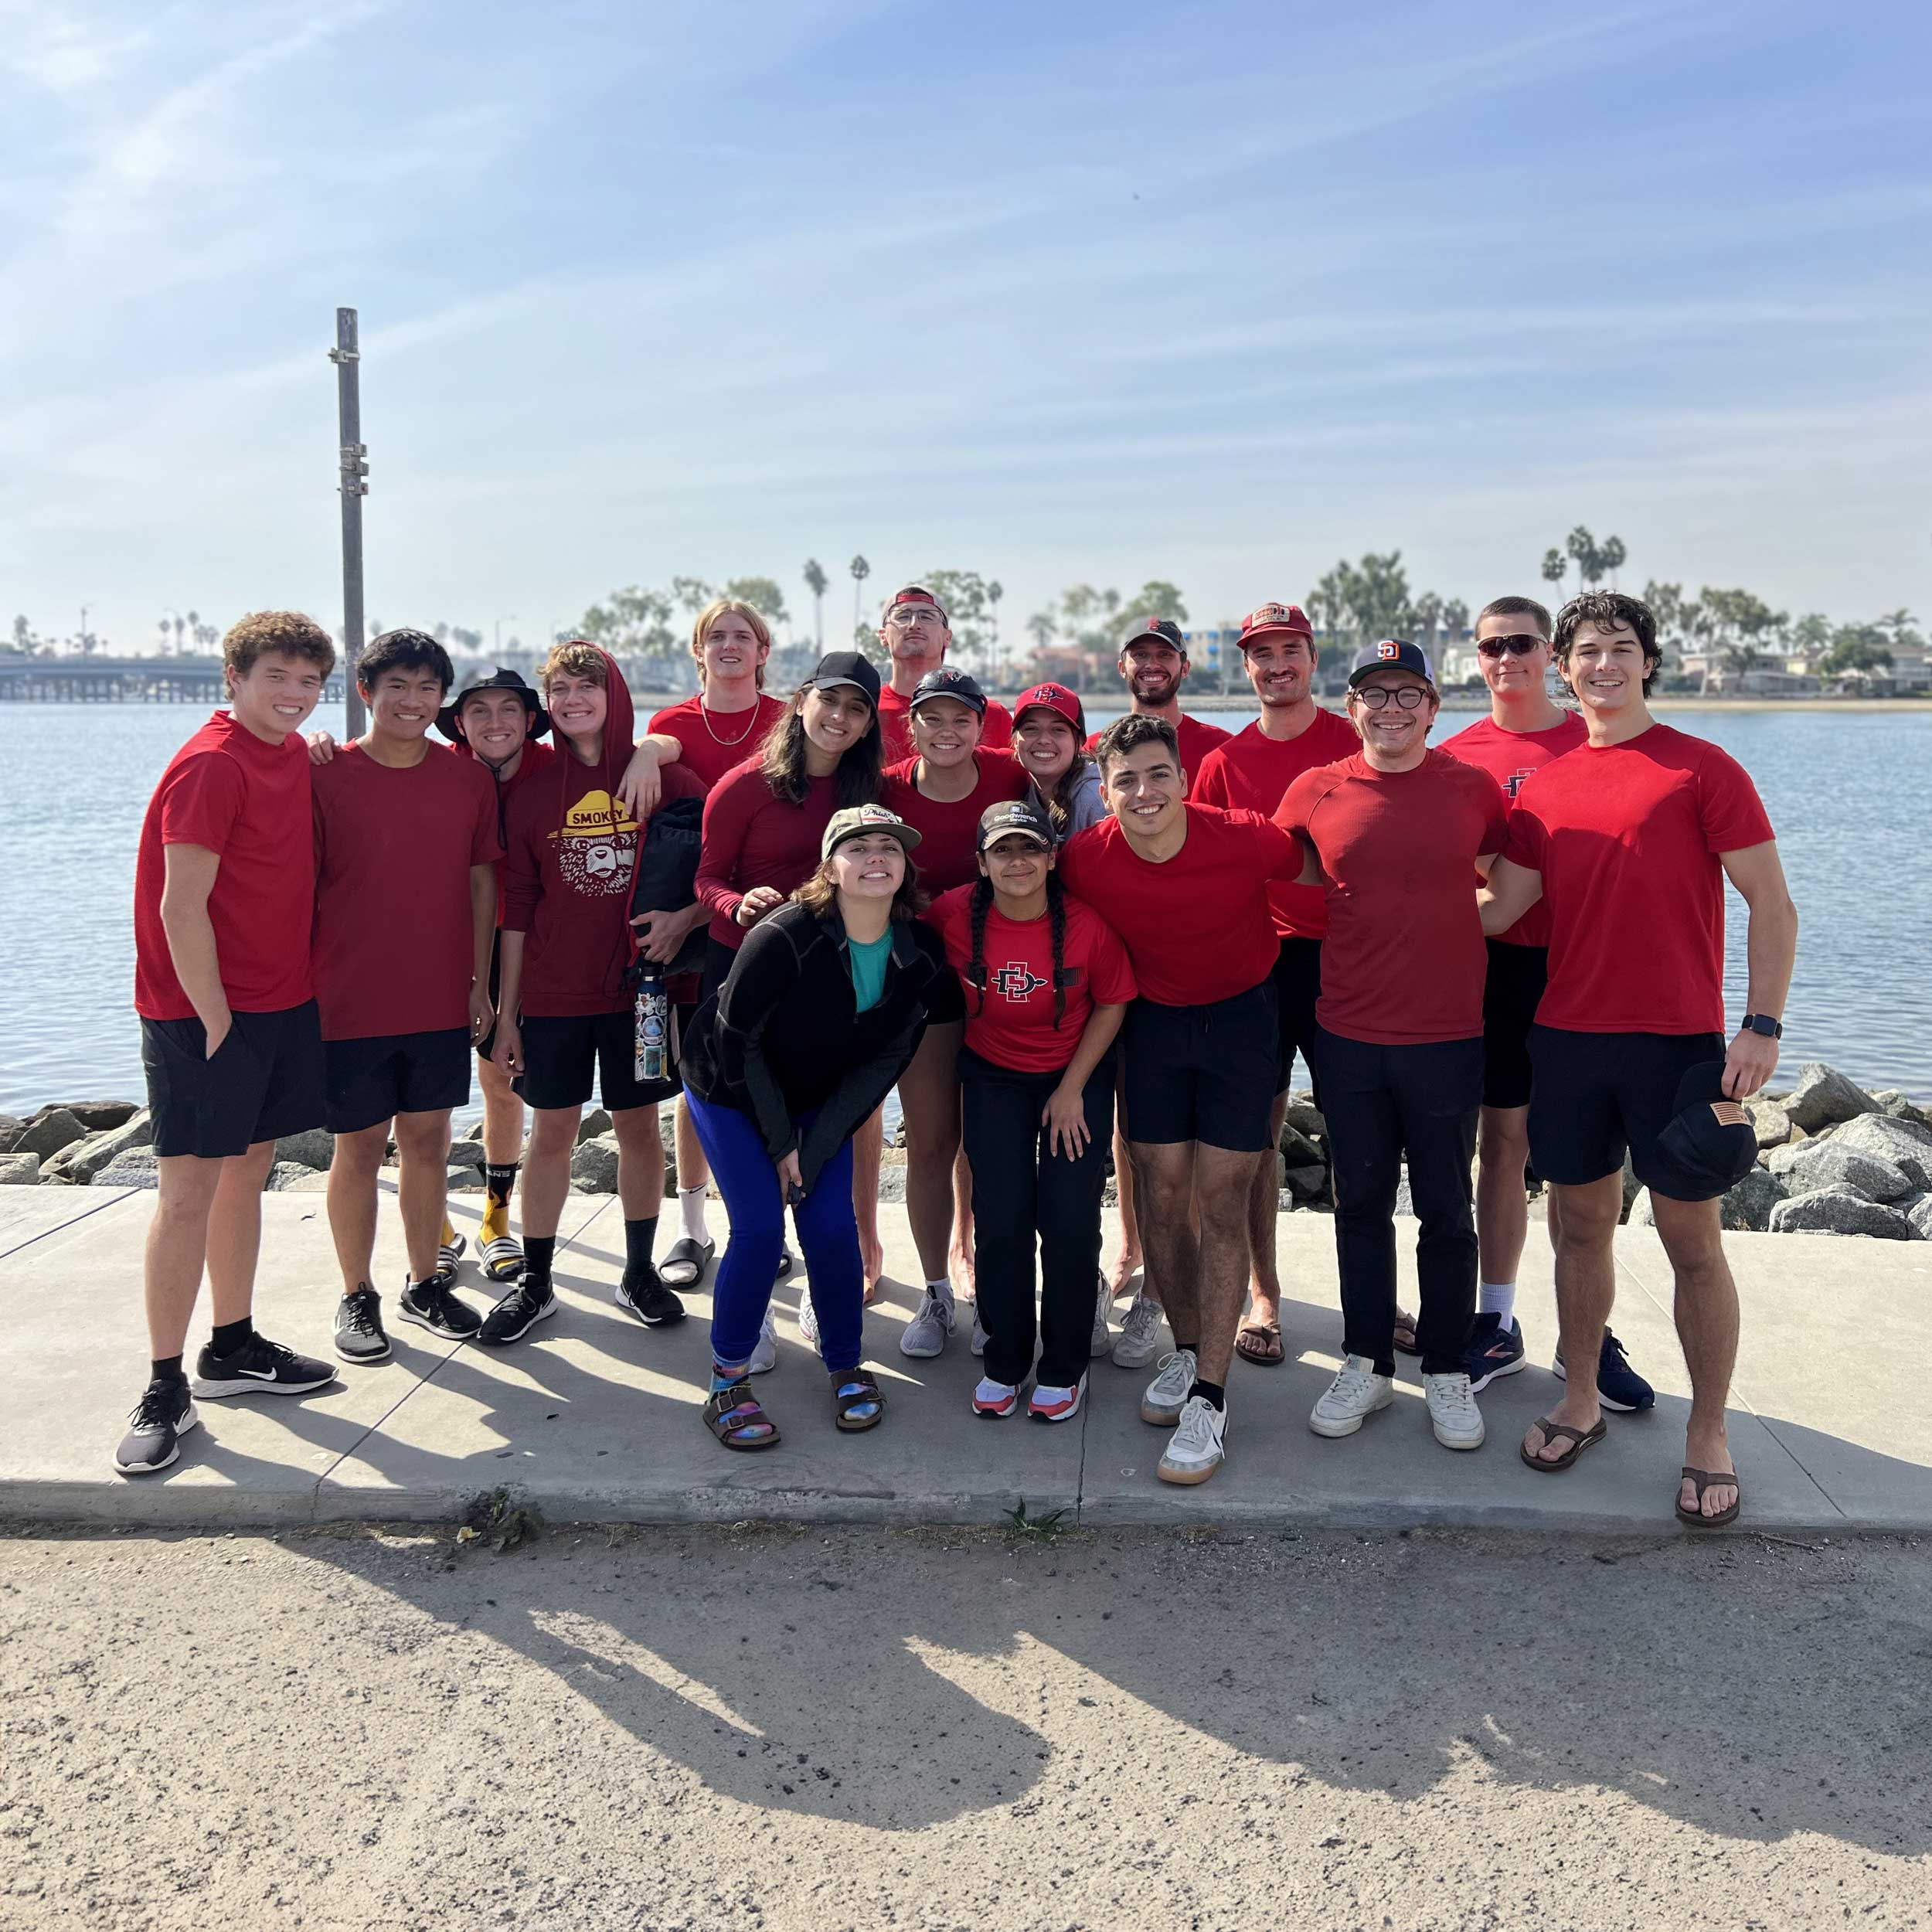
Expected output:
(651, 1025)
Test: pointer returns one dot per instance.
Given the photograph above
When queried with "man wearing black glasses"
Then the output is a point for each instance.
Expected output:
(1394, 834)
(1525, 729)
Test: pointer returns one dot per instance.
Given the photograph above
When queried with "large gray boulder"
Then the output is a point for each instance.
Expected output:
(596, 1121)
(1906, 1146)
(1813, 1165)
(48, 1132)
(19, 1170)
(1747, 1207)
(1919, 1215)
(1838, 1209)
(98, 1116)
(1306, 1183)
(1304, 1117)
(314, 1148)
(595, 1164)
(294, 1177)
(1769, 1122)
(139, 1167)
(84, 1159)
(1823, 1095)
(1297, 1150)
(12, 1127)
(1900, 1108)
(467, 1152)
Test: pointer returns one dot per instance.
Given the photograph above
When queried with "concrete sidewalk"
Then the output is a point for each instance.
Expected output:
(597, 1418)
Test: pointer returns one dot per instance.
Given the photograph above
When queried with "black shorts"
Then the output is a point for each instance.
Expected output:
(1517, 977)
(1201, 1073)
(372, 1080)
(1598, 1094)
(265, 1080)
(487, 1045)
(1298, 985)
(562, 1053)
(719, 959)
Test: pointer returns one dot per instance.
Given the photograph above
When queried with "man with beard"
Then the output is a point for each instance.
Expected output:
(916, 636)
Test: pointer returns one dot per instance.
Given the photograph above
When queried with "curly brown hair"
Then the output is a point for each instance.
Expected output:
(1609, 610)
(289, 634)
(1131, 732)
(575, 658)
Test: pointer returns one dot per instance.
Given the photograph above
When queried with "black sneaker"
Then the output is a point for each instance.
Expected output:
(527, 1304)
(642, 1293)
(1493, 1350)
(359, 1336)
(1619, 1387)
(431, 1306)
(259, 1367)
(164, 1413)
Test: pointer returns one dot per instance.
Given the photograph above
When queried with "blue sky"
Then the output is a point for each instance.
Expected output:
(1215, 293)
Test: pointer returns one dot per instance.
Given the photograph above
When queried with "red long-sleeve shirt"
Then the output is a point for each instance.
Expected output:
(752, 838)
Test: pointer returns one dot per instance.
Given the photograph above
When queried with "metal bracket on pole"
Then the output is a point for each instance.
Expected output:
(351, 460)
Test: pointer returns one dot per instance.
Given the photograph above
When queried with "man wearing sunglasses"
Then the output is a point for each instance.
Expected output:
(1394, 834)
(916, 634)
(1525, 729)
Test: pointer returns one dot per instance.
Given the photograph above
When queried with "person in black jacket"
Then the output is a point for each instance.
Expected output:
(825, 1005)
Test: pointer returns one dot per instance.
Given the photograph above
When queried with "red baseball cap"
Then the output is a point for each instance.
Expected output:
(1052, 697)
(1277, 617)
(918, 593)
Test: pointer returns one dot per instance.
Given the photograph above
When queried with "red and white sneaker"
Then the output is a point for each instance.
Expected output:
(1050, 1404)
(995, 1398)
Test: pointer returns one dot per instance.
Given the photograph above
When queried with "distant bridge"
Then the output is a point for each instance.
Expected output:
(121, 681)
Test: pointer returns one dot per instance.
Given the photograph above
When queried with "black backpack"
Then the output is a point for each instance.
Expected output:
(667, 874)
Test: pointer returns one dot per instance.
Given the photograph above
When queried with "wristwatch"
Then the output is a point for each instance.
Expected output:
(1763, 1023)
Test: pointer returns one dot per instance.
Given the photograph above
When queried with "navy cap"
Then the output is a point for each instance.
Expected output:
(1014, 815)
(1159, 631)
(846, 667)
(1709, 1144)
(1391, 653)
(946, 683)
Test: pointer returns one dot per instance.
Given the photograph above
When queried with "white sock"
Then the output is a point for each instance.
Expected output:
(1498, 1298)
(691, 1213)
(942, 1289)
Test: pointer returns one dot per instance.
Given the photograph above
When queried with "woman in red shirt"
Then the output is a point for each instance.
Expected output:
(1047, 982)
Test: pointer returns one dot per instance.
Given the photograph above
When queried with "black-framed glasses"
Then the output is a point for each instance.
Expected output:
(1407, 695)
(1518, 644)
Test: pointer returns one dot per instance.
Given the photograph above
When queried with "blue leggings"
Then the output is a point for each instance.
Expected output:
(827, 1231)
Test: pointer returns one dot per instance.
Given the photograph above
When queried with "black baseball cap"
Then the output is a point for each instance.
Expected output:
(1705, 1153)
(946, 683)
(1391, 653)
(1161, 630)
(846, 667)
(1013, 815)
(498, 680)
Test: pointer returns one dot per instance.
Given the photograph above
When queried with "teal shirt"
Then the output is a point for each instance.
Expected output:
(868, 964)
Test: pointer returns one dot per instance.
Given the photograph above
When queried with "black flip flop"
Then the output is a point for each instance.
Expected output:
(1580, 1440)
(1701, 1480)
(684, 1266)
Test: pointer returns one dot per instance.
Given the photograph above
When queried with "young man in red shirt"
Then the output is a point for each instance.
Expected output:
(1153, 663)
(565, 1025)
(406, 853)
(1253, 770)
(1630, 837)
(1394, 835)
(1185, 887)
(1524, 731)
(916, 636)
(224, 896)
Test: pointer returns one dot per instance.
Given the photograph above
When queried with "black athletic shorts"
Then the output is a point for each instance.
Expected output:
(487, 1045)
(1298, 985)
(1598, 1094)
(1203, 1072)
(265, 1080)
(717, 961)
(374, 1080)
(1517, 977)
(562, 1052)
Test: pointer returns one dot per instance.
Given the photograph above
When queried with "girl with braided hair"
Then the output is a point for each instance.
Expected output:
(1046, 983)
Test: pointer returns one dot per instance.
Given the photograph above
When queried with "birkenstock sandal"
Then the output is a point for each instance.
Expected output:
(733, 1415)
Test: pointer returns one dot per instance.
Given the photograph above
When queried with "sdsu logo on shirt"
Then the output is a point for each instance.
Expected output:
(1017, 981)
(597, 847)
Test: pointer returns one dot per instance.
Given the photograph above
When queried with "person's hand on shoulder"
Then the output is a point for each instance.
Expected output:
(321, 747)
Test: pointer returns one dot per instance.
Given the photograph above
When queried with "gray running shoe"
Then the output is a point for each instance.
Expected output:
(1140, 1341)
(1103, 1340)
(764, 1358)
(1166, 1396)
(359, 1335)
(927, 1333)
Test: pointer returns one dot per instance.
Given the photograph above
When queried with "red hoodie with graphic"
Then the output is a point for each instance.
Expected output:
(570, 851)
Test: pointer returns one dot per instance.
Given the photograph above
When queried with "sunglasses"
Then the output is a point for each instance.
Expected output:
(1518, 644)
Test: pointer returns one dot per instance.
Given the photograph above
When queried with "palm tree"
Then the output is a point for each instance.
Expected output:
(194, 625)
(994, 591)
(1555, 569)
(164, 637)
(861, 569)
(1612, 557)
(818, 582)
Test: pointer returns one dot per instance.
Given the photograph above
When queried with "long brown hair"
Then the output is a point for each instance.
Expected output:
(861, 771)
(818, 895)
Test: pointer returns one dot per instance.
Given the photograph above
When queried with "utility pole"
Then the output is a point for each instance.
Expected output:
(354, 465)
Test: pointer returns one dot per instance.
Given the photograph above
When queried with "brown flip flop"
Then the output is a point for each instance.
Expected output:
(1703, 1479)
(1580, 1440)
(1267, 1351)
(1406, 1324)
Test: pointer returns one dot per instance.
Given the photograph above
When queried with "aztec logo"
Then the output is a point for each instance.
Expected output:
(1513, 784)
(1017, 983)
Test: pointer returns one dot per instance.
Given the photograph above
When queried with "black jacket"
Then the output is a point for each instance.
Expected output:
(783, 1034)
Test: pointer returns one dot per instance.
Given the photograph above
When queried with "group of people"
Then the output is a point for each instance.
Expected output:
(1049, 944)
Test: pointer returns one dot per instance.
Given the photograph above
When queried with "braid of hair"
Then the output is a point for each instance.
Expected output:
(1056, 916)
(976, 966)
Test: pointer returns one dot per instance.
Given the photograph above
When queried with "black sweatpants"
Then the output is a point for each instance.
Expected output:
(1021, 1190)
(1381, 1102)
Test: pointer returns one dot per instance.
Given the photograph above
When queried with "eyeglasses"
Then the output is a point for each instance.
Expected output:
(1518, 644)
(905, 620)
(1376, 695)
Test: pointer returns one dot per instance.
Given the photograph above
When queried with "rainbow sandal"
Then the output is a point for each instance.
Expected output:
(733, 1415)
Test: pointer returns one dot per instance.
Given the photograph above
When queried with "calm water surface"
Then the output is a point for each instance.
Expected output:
(1850, 794)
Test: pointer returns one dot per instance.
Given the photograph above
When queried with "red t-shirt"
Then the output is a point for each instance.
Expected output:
(1197, 927)
(1012, 1026)
(393, 946)
(1197, 738)
(716, 742)
(949, 833)
(247, 801)
(752, 838)
(1510, 757)
(1626, 838)
(895, 725)
(1255, 773)
(1404, 961)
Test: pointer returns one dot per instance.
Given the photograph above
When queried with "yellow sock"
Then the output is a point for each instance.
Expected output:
(496, 1222)
(449, 1233)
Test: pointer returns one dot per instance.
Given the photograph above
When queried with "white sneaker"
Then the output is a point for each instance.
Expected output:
(808, 1320)
(764, 1358)
(1198, 1447)
(979, 1330)
(1103, 1342)
(1353, 1396)
(926, 1334)
(993, 1398)
(1052, 1404)
(1139, 1334)
(1452, 1413)
(1167, 1393)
